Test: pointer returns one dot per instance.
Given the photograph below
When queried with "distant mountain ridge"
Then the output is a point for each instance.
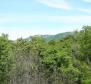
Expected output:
(53, 37)
(57, 36)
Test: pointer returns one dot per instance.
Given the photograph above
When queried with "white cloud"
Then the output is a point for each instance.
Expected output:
(68, 19)
(17, 32)
(4, 20)
(61, 4)
(49, 19)
(85, 10)
(89, 1)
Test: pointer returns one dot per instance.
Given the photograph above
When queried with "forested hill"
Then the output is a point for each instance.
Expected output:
(57, 36)
(35, 61)
(53, 37)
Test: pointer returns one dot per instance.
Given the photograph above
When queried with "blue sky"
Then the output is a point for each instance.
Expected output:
(22, 18)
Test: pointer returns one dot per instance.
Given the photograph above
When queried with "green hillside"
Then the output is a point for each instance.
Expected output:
(52, 37)
(57, 36)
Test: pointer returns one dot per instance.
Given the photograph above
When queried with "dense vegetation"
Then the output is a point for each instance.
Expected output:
(35, 61)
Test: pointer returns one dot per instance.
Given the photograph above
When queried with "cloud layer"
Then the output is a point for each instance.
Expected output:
(47, 19)
(6, 20)
(65, 5)
(61, 4)
(87, 1)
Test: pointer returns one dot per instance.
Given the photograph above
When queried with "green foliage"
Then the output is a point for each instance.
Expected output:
(5, 59)
(54, 61)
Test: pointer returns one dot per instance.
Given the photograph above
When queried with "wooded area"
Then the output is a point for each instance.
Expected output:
(36, 61)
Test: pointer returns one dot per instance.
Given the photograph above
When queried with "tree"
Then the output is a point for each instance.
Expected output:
(5, 59)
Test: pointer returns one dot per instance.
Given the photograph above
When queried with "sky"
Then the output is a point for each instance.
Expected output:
(22, 18)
